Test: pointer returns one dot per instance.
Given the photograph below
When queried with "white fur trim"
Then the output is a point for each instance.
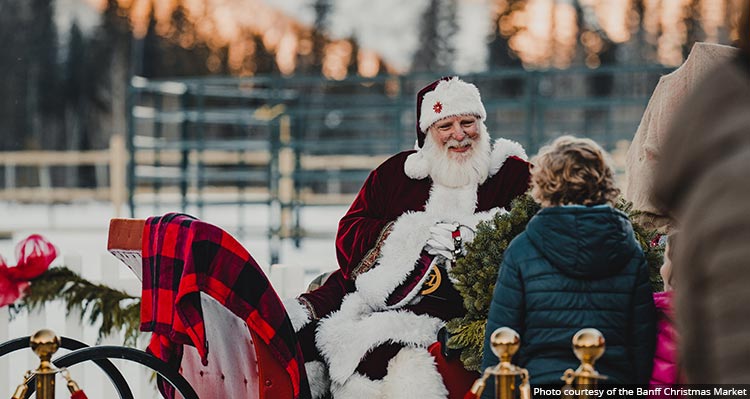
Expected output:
(400, 251)
(501, 150)
(450, 97)
(451, 204)
(346, 336)
(413, 374)
(317, 377)
(298, 313)
(416, 166)
(358, 387)
(404, 245)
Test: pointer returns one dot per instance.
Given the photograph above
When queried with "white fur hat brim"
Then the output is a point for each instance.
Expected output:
(450, 97)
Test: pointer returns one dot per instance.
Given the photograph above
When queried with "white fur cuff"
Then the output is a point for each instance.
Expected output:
(317, 376)
(358, 387)
(298, 313)
(413, 374)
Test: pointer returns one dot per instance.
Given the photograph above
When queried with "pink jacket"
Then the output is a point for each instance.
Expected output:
(665, 356)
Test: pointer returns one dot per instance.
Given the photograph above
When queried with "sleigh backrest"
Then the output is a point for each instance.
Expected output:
(240, 364)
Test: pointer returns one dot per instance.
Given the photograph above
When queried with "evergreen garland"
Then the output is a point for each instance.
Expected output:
(115, 309)
(475, 275)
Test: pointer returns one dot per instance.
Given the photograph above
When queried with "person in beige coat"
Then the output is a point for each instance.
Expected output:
(703, 181)
(647, 146)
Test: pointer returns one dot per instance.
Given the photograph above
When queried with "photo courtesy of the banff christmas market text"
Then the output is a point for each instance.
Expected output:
(632, 391)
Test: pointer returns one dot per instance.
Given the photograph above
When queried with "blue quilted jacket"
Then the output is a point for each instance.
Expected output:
(575, 267)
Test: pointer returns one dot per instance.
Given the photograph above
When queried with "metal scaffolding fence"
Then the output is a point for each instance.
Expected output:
(307, 141)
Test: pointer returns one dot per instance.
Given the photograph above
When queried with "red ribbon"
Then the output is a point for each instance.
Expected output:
(34, 256)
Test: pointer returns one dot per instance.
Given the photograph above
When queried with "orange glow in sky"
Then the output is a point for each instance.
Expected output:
(544, 33)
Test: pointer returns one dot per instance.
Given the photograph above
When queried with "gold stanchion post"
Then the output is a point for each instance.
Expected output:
(45, 343)
(588, 346)
(505, 343)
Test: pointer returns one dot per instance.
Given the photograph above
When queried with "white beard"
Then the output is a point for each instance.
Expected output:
(457, 169)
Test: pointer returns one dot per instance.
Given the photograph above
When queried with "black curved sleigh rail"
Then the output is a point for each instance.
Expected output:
(100, 355)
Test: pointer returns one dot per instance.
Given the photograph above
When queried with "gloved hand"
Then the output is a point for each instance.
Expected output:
(441, 240)
(448, 239)
(467, 234)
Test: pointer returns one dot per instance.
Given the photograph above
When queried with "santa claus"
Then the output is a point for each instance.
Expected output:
(365, 331)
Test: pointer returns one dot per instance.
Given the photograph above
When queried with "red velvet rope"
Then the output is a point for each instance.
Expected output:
(470, 395)
(34, 256)
(78, 395)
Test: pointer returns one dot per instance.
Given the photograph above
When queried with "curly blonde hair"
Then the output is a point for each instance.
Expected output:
(572, 171)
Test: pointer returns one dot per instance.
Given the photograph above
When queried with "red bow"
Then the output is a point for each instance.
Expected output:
(34, 256)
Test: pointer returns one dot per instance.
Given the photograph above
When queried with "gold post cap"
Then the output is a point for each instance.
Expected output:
(505, 343)
(45, 343)
(588, 345)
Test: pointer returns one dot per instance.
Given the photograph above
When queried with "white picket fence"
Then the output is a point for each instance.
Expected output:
(287, 280)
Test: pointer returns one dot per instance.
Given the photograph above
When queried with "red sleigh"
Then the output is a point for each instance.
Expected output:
(240, 363)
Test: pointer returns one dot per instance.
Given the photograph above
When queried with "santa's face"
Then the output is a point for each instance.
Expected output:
(456, 135)
(457, 150)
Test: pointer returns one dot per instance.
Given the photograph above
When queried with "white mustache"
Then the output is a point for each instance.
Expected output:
(455, 143)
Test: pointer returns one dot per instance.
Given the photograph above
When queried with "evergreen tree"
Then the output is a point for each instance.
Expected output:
(599, 84)
(311, 62)
(265, 61)
(352, 69)
(14, 113)
(645, 48)
(150, 62)
(31, 93)
(695, 32)
(500, 53)
(183, 53)
(319, 37)
(437, 29)
(78, 94)
(108, 69)
(46, 101)
(501, 56)
(74, 76)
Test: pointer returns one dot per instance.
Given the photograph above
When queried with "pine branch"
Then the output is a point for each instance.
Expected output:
(468, 335)
(654, 255)
(97, 303)
(475, 275)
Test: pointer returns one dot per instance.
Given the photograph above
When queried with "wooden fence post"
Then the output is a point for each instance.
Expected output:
(118, 158)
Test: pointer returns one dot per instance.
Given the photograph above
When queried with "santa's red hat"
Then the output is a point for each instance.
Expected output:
(448, 96)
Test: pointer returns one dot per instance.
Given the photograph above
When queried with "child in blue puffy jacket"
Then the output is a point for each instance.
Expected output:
(576, 265)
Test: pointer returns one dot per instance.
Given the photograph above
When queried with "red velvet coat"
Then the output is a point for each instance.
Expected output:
(387, 194)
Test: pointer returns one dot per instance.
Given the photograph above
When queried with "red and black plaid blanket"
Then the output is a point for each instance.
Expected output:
(182, 257)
